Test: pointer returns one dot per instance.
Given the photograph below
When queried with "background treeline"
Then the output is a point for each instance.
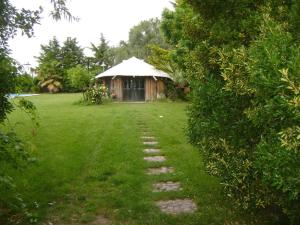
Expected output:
(64, 67)
(241, 59)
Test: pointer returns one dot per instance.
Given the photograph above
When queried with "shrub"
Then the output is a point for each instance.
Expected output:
(243, 68)
(24, 83)
(95, 95)
(15, 155)
(79, 77)
(175, 91)
(248, 125)
(275, 111)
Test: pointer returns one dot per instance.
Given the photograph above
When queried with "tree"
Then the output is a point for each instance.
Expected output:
(72, 55)
(51, 83)
(50, 69)
(143, 35)
(102, 55)
(240, 59)
(121, 52)
(11, 21)
(162, 59)
(54, 62)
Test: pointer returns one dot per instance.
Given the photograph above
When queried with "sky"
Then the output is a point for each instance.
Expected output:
(113, 18)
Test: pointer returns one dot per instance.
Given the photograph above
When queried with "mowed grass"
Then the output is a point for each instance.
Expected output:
(90, 164)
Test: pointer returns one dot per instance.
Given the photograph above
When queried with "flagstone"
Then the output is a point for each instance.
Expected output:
(155, 158)
(177, 206)
(160, 170)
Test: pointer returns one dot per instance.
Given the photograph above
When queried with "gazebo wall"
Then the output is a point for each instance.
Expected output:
(116, 88)
(154, 89)
(150, 89)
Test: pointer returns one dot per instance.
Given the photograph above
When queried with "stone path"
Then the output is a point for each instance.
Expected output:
(150, 142)
(151, 150)
(148, 138)
(101, 220)
(176, 206)
(155, 158)
(160, 170)
(166, 186)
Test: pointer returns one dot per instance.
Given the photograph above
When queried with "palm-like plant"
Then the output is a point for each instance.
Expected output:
(52, 83)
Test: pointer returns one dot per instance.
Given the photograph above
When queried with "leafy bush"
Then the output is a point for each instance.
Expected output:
(275, 111)
(8, 73)
(174, 91)
(95, 95)
(24, 83)
(14, 153)
(79, 78)
(14, 156)
(244, 72)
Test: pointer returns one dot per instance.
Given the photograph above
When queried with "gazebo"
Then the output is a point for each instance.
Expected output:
(134, 80)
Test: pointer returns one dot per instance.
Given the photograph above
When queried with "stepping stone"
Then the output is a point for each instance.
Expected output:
(155, 158)
(148, 138)
(150, 142)
(166, 186)
(151, 150)
(177, 206)
(100, 220)
(145, 132)
(160, 170)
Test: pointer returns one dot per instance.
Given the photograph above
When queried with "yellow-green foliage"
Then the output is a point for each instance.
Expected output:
(242, 60)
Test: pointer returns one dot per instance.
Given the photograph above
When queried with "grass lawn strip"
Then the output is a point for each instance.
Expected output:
(89, 165)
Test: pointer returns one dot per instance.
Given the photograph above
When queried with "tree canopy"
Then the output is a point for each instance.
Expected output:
(54, 62)
(103, 56)
(145, 34)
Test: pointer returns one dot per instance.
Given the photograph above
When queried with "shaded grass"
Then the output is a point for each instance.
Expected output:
(91, 163)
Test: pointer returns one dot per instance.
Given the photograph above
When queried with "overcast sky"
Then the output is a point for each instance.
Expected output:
(113, 18)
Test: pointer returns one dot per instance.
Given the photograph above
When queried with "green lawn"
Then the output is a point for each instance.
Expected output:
(90, 164)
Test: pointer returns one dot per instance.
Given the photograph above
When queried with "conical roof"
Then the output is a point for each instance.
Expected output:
(133, 67)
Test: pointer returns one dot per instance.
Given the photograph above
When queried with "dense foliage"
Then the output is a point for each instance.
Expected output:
(24, 83)
(8, 74)
(141, 37)
(161, 59)
(79, 77)
(241, 59)
(54, 62)
(103, 56)
(13, 151)
(61, 66)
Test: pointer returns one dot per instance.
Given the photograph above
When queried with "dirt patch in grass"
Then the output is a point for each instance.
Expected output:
(100, 220)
